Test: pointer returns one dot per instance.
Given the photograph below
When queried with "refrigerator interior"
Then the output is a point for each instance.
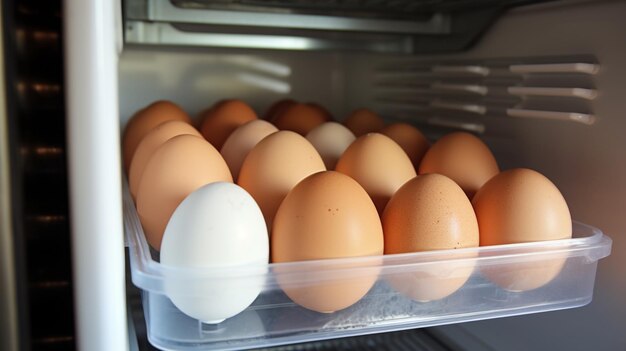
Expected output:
(581, 151)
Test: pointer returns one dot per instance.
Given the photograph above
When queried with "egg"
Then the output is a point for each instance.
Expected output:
(330, 139)
(207, 112)
(430, 212)
(323, 110)
(300, 118)
(274, 166)
(519, 206)
(462, 157)
(363, 121)
(143, 121)
(277, 108)
(327, 215)
(155, 138)
(242, 140)
(217, 226)
(177, 168)
(379, 164)
(223, 118)
(410, 139)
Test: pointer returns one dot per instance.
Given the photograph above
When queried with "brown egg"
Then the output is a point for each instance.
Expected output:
(274, 166)
(430, 212)
(223, 118)
(155, 138)
(207, 112)
(462, 157)
(363, 121)
(321, 109)
(300, 118)
(410, 139)
(144, 120)
(378, 164)
(277, 108)
(242, 140)
(177, 168)
(327, 215)
(520, 206)
(330, 139)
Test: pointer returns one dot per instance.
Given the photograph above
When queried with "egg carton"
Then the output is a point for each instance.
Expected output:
(400, 291)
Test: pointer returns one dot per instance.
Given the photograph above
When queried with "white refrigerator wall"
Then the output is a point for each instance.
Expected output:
(585, 162)
(197, 78)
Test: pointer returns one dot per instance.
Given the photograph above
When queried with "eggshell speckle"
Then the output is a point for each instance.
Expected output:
(327, 215)
(216, 226)
(379, 164)
(363, 121)
(177, 168)
(518, 206)
(274, 166)
(223, 118)
(300, 118)
(430, 212)
(144, 120)
(462, 157)
(410, 139)
(242, 140)
(330, 139)
(155, 138)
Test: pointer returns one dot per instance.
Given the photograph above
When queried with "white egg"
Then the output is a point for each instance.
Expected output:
(215, 252)
(330, 139)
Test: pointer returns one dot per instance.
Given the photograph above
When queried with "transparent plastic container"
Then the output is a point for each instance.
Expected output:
(493, 281)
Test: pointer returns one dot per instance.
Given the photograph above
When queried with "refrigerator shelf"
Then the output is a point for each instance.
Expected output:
(273, 16)
(423, 26)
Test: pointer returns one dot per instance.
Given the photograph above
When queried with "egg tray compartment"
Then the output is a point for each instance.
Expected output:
(274, 319)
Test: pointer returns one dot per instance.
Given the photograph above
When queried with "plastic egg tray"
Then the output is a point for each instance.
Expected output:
(274, 319)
